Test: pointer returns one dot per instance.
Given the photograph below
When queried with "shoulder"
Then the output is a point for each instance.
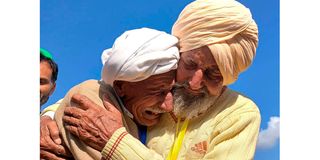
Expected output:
(237, 107)
(88, 83)
(91, 85)
(242, 102)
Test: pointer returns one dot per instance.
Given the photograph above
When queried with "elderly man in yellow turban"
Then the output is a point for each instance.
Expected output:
(217, 40)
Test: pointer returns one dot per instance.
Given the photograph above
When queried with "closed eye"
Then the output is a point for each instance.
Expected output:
(190, 65)
(213, 75)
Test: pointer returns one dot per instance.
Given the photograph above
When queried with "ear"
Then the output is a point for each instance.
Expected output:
(119, 87)
(52, 89)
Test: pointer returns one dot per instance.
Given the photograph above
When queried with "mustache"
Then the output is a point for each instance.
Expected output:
(185, 85)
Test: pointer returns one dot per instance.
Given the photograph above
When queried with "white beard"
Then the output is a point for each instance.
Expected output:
(190, 106)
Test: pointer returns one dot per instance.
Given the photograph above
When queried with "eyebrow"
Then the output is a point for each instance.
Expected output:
(160, 86)
(189, 59)
(214, 69)
(44, 78)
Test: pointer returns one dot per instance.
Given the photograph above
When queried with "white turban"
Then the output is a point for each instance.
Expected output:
(138, 54)
(226, 27)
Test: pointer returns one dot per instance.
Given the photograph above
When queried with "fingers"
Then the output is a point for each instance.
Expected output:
(73, 112)
(68, 120)
(83, 101)
(52, 147)
(71, 124)
(85, 136)
(78, 127)
(46, 141)
(54, 132)
(47, 155)
(73, 130)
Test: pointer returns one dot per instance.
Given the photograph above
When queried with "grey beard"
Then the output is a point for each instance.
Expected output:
(188, 105)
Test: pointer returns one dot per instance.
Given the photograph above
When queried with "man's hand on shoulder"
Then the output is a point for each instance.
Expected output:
(92, 124)
(50, 143)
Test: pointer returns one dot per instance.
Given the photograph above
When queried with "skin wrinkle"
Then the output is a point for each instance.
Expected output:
(200, 60)
(201, 75)
(199, 82)
(148, 97)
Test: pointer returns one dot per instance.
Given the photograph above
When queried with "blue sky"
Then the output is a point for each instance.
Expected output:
(77, 31)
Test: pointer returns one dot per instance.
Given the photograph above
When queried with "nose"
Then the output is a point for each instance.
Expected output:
(196, 82)
(167, 105)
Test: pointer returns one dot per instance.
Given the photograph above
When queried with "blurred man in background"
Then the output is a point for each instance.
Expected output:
(48, 75)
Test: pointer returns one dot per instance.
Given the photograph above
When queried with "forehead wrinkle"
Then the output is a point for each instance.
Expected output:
(159, 86)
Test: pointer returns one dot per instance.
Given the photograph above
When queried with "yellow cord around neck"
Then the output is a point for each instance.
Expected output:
(176, 146)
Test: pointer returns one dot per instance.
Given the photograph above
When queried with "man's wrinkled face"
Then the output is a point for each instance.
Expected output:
(147, 99)
(199, 82)
(198, 72)
(46, 85)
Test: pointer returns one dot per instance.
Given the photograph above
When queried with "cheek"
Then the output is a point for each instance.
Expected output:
(45, 88)
(142, 104)
(137, 108)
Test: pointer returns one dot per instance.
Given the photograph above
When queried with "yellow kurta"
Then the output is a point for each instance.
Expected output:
(226, 131)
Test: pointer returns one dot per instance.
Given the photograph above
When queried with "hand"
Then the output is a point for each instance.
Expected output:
(50, 142)
(92, 124)
(46, 155)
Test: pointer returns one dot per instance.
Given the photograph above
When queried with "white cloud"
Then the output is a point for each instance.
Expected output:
(268, 137)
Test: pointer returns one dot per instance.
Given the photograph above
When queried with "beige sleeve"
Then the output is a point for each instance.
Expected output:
(80, 151)
(235, 137)
(123, 146)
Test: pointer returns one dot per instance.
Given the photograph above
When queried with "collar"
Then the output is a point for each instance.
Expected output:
(123, 108)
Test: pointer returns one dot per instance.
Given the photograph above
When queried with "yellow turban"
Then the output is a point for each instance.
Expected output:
(226, 27)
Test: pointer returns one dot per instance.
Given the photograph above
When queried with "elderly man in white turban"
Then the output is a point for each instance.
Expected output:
(137, 76)
(217, 40)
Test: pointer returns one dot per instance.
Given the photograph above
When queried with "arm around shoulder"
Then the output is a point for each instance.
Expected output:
(124, 146)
